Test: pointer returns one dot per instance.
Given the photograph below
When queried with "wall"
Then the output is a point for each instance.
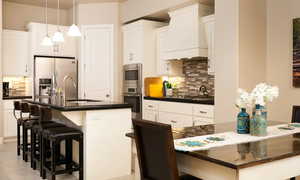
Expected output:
(279, 56)
(105, 13)
(1, 113)
(17, 16)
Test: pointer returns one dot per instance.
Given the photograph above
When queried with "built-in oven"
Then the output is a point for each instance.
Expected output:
(133, 78)
(136, 101)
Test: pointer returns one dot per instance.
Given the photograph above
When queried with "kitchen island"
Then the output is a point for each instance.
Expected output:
(104, 125)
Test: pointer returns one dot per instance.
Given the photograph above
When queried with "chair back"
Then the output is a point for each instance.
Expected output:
(17, 109)
(296, 114)
(45, 115)
(155, 150)
(34, 110)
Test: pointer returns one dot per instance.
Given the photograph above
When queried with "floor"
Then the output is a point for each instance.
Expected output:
(13, 167)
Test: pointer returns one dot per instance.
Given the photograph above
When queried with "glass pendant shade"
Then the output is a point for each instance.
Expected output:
(58, 37)
(74, 31)
(47, 41)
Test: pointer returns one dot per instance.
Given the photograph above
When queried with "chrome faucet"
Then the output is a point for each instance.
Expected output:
(64, 89)
(203, 91)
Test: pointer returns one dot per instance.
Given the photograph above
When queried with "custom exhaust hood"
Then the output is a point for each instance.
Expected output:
(186, 33)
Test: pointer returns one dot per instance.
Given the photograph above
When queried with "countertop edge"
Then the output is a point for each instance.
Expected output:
(190, 101)
(16, 97)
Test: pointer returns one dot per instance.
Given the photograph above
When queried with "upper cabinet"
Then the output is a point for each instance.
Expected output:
(139, 44)
(15, 53)
(209, 22)
(37, 32)
(186, 33)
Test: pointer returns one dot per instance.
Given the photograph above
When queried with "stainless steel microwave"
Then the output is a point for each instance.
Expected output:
(133, 78)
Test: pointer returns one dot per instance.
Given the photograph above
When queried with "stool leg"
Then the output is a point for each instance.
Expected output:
(26, 146)
(18, 138)
(23, 140)
(32, 148)
(53, 159)
(69, 155)
(81, 163)
(43, 158)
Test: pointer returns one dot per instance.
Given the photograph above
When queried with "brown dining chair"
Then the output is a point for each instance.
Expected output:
(295, 118)
(155, 150)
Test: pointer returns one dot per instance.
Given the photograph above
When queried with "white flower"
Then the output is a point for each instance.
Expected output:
(263, 93)
(244, 99)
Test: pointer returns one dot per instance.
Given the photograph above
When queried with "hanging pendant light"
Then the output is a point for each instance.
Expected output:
(47, 40)
(58, 35)
(74, 30)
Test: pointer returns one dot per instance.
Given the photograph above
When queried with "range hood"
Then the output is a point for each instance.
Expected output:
(186, 33)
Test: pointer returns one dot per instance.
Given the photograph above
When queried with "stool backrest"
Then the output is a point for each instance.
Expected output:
(34, 110)
(155, 149)
(45, 115)
(296, 114)
(24, 107)
(17, 108)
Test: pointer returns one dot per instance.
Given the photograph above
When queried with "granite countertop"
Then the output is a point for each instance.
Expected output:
(243, 155)
(194, 100)
(12, 97)
(74, 105)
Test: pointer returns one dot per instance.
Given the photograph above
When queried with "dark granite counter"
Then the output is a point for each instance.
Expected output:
(12, 97)
(240, 155)
(207, 101)
(77, 105)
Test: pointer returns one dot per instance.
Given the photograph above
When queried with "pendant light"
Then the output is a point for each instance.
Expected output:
(58, 35)
(74, 30)
(47, 40)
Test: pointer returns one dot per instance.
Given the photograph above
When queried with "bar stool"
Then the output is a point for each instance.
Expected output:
(36, 132)
(17, 110)
(54, 136)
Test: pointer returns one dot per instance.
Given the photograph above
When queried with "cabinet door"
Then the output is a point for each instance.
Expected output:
(10, 124)
(161, 41)
(133, 45)
(210, 38)
(198, 121)
(175, 120)
(15, 53)
(150, 115)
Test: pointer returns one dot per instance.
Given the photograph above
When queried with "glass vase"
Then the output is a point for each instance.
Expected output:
(243, 123)
(258, 123)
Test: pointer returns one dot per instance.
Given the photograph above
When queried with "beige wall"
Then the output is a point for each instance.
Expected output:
(17, 16)
(106, 13)
(1, 109)
(279, 56)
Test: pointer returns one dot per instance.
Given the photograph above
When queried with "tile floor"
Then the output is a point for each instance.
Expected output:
(13, 167)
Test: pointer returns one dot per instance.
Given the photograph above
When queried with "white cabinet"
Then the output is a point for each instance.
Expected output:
(139, 44)
(15, 53)
(186, 36)
(178, 115)
(37, 32)
(209, 22)
(10, 123)
(165, 67)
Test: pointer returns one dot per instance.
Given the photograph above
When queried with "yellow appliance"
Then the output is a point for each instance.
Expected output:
(153, 87)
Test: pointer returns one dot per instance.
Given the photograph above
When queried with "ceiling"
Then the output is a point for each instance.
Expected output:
(65, 4)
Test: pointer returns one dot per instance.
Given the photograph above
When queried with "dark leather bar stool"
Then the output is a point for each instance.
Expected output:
(54, 136)
(17, 115)
(36, 133)
(26, 122)
(156, 153)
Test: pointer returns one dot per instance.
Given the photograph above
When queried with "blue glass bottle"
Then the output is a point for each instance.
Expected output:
(243, 122)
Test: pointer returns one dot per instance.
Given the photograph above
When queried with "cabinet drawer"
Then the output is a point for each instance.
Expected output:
(172, 107)
(150, 115)
(175, 120)
(203, 111)
(151, 105)
(202, 121)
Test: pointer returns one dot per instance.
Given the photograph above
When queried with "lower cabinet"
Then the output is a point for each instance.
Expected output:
(10, 123)
(178, 115)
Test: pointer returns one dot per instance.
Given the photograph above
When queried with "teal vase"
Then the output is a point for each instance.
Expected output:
(243, 122)
(258, 123)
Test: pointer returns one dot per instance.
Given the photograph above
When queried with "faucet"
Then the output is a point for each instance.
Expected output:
(203, 91)
(64, 89)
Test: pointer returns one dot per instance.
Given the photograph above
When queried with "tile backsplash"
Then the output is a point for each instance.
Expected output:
(196, 74)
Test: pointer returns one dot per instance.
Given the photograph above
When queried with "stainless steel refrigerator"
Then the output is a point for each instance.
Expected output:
(52, 73)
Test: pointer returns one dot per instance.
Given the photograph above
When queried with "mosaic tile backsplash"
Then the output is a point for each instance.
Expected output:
(195, 75)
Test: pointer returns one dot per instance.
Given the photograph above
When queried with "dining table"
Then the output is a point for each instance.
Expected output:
(275, 158)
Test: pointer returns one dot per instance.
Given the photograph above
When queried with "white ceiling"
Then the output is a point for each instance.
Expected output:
(65, 4)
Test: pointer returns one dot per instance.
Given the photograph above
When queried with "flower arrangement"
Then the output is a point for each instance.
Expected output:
(261, 94)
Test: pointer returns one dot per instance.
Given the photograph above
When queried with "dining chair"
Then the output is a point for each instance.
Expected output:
(295, 118)
(155, 150)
